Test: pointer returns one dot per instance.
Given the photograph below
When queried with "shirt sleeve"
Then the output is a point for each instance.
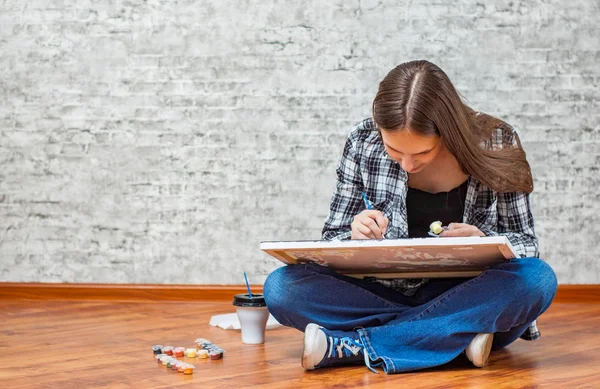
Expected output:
(346, 201)
(515, 221)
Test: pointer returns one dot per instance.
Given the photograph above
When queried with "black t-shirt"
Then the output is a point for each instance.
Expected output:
(423, 208)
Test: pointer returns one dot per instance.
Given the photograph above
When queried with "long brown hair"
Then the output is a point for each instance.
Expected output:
(419, 96)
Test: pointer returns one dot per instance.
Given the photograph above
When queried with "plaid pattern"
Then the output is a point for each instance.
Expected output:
(366, 167)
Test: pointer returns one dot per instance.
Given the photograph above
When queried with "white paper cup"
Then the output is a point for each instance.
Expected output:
(253, 315)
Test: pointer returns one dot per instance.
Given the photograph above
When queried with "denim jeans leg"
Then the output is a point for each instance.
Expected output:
(300, 294)
(503, 339)
(503, 297)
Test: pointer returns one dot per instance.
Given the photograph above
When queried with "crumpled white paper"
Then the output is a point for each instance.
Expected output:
(230, 321)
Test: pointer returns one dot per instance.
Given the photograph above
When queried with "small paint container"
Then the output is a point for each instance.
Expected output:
(188, 369)
(175, 364)
(216, 355)
(164, 359)
(168, 350)
(180, 366)
(179, 351)
(170, 363)
(202, 354)
(190, 353)
(157, 349)
(159, 356)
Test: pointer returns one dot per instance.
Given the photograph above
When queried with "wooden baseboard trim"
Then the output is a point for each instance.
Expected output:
(158, 293)
(578, 294)
(122, 292)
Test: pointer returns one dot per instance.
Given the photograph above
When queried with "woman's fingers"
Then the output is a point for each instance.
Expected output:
(361, 231)
(453, 226)
(382, 223)
(461, 229)
(376, 222)
(455, 232)
(369, 224)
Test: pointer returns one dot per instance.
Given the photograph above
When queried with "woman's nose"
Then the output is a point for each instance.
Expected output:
(408, 164)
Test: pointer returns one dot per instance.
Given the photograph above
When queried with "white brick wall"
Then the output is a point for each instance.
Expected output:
(161, 141)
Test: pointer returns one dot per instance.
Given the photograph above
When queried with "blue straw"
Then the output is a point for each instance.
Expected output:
(247, 285)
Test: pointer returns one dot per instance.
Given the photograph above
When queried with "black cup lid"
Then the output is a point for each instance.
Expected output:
(244, 300)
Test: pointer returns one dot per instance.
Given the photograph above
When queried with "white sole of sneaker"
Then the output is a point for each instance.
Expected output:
(478, 351)
(311, 333)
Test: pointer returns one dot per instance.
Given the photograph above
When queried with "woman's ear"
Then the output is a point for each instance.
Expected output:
(442, 143)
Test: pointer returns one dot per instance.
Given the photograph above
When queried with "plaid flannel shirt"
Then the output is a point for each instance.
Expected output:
(366, 167)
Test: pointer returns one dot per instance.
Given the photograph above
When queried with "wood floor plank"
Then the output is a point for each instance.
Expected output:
(107, 344)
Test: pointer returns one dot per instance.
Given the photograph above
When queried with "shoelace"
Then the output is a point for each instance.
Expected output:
(347, 347)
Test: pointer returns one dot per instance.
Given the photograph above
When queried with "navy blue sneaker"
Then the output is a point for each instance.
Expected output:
(325, 348)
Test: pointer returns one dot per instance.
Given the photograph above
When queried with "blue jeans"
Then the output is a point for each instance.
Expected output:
(428, 329)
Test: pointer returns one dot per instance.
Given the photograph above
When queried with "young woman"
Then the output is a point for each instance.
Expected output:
(424, 156)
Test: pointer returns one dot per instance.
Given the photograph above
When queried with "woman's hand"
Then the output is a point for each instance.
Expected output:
(369, 224)
(461, 229)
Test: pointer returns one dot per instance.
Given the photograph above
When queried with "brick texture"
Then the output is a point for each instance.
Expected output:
(161, 141)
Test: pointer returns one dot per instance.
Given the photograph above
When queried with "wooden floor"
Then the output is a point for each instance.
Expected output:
(61, 344)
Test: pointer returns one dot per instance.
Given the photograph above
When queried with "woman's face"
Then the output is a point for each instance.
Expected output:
(413, 152)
